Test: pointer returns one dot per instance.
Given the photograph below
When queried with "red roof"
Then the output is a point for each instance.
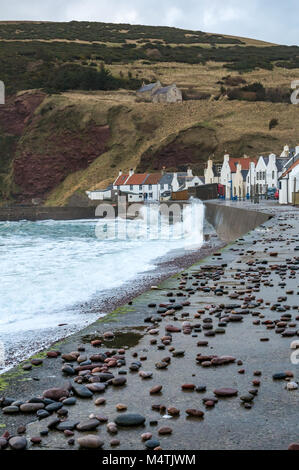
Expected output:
(137, 179)
(121, 180)
(245, 163)
(153, 178)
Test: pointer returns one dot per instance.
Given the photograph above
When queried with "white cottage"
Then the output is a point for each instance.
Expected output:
(289, 181)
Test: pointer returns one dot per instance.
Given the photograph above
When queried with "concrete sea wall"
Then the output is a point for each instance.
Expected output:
(231, 223)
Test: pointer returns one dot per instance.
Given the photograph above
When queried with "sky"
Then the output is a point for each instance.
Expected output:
(268, 20)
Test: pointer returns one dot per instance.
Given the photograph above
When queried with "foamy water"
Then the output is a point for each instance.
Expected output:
(50, 268)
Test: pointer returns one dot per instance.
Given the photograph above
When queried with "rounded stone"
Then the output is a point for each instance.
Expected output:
(90, 442)
(18, 443)
(226, 392)
(130, 419)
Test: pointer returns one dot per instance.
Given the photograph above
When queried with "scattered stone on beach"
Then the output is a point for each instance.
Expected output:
(112, 428)
(114, 443)
(172, 411)
(165, 431)
(152, 444)
(18, 443)
(121, 407)
(36, 440)
(226, 392)
(100, 402)
(31, 407)
(56, 393)
(195, 413)
(66, 425)
(36, 362)
(3, 443)
(82, 391)
(146, 436)
(10, 410)
(155, 390)
(130, 419)
(90, 442)
(88, 425)
(294, 446)
(292, 386)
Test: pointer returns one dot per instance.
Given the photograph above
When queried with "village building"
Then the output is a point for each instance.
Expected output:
(212, 172)
(102, 194)
(289, 182)
(169, 94)
(145, 93)
(230, 180)
(149, 187)
(156, 93)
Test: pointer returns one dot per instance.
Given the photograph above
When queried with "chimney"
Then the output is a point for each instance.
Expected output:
(189, 172)
(226, 157)
(120, 172)
(163, 170)
(131, 172)
(297, 150)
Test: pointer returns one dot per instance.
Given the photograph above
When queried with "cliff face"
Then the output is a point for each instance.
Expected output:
(38, 170)
(52, 147)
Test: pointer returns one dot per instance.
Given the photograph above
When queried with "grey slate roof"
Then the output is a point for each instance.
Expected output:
(148, 87)
(280, 162)
(166, 178)
(244, 173)
(162, 91)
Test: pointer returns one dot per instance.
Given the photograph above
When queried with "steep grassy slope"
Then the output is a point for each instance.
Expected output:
(52, 146)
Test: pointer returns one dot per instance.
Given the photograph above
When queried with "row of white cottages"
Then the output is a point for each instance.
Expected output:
(149, 187)
(244, 176)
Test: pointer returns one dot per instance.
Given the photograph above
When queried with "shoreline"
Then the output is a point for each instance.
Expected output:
(210, 323)
(165, 267)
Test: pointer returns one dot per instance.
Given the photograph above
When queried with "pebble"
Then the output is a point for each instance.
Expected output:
(82, 391)
(292, 386)
(195, 413)
(165, 431)
(89, 425)
(56, 393)
(112, 428)
(120, 407)
(146, 436)
(18, 443)
(152, 444)
(31, 407)
(225, 392)
(114, 443)
(90, 442)
(130, 419)
(173, 411)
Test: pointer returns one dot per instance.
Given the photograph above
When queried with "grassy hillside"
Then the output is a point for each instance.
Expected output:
(30, 51)
(54, 142)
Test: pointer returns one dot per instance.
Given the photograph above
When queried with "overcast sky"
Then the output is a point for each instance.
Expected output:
(269, 20)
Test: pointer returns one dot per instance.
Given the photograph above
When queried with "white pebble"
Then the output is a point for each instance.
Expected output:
(292, 386)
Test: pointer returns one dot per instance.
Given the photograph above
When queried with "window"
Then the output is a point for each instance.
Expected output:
(151, 195)
(140, 187)
(131, 187)
(273, 174)
(150, 187)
